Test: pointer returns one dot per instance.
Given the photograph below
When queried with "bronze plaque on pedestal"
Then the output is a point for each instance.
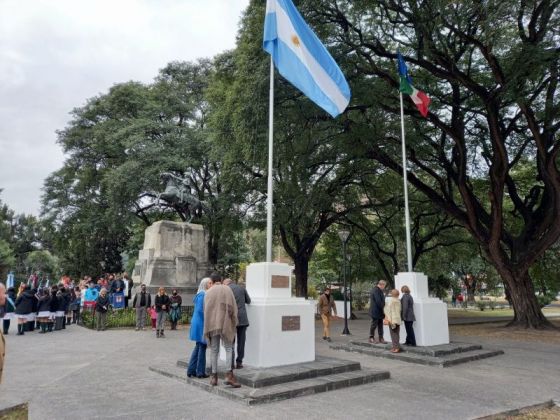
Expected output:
(290, 323)
(280, 282)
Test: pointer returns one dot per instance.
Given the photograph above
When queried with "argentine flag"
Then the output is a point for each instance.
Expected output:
(302, 59)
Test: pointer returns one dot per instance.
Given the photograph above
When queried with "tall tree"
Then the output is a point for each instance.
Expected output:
(492, 70)
(316, 179)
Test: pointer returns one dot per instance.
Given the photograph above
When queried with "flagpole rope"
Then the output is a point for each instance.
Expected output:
(270, 161)
(405, 181)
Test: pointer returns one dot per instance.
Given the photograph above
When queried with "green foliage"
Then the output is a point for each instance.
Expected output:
(546, 299)
(440, 285)
(312, 292)
(7, 258)
(126, 318)
(44, 262)
(100, 202)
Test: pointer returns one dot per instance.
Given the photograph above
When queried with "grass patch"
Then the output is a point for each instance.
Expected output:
(477, 313)
(552, 413)
(497, 330)
(19, 412)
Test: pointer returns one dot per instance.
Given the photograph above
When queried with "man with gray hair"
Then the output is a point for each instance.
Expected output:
(241, 298)
(376, 312)
(2, 342)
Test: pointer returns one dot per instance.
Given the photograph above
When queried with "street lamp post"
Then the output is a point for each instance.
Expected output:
(351, 298)
(344, 235)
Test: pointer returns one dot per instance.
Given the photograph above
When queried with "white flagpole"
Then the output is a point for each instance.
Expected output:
(405, 180)
(270, 160)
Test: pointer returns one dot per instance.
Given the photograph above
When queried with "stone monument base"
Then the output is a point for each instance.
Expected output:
(187, 293)
(431, 327)
(281, 328)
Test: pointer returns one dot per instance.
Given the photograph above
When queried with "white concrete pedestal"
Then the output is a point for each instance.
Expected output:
(281, 328)
(431, 327)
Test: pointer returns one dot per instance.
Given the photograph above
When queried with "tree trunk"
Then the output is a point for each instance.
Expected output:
(301, 263)
(526, 308)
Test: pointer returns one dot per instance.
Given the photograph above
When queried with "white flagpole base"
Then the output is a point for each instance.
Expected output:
(281, 328)
(431, 327)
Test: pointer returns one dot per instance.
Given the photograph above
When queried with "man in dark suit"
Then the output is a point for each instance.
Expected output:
(376, 307)
(241, 298)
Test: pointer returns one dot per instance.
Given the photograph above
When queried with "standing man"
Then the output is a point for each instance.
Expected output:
(142, 301)
(2, 342)
(376, 311)
(220, 322)
(326, 305)
(241, 298)
(128, 284)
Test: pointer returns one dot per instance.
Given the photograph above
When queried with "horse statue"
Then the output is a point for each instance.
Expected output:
(178, 192)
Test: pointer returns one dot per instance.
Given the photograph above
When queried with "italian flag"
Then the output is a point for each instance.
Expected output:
(419, 98)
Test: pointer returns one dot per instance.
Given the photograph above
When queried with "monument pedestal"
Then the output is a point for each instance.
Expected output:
(431, 327)
(175, 256)
(281, 328)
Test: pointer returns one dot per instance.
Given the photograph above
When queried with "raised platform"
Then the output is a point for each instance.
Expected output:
(443, 355)
(264, 385)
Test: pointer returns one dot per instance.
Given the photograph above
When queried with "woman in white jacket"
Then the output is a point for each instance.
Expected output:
(393, 319)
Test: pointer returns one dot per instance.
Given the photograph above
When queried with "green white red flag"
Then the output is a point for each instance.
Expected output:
(419, 98)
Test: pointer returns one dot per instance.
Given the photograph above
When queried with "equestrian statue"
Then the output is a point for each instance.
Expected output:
(178, 193)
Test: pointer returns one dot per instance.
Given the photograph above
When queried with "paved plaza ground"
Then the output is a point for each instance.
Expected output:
(83, 374)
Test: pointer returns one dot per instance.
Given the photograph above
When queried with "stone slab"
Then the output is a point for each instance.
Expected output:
(418, 356)
(283, 391)
(434, 351)
(262, 377)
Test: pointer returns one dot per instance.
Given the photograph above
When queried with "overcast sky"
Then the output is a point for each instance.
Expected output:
(54, 54)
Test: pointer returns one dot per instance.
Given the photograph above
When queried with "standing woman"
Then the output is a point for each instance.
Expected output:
(44, 309)
(197, 364)
(393, 319)
(162, 307)
(53, 308)
(175, 311)
(24, 307)
(408, 316)
(101, 309)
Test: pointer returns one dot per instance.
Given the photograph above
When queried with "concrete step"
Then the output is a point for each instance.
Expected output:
(445, 360)
(257, 378)
(283, 391)
(434, 351)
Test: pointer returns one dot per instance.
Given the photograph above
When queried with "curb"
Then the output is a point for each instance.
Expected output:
(519, 411)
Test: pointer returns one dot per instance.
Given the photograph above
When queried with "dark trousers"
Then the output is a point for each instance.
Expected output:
(6, 325)
(410, 337)
(76, 316)
(376, 324)
(197, 364)
(240, 340)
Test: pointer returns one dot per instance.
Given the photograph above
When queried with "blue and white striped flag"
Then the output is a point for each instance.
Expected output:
(302, 59)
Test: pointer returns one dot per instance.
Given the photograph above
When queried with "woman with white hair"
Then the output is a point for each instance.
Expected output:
(101, 309)
(197, 364)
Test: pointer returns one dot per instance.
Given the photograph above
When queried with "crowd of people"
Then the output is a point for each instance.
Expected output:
(37, 305)
(219, 316)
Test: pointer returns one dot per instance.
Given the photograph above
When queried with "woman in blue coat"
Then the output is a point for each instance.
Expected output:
(197, 364)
